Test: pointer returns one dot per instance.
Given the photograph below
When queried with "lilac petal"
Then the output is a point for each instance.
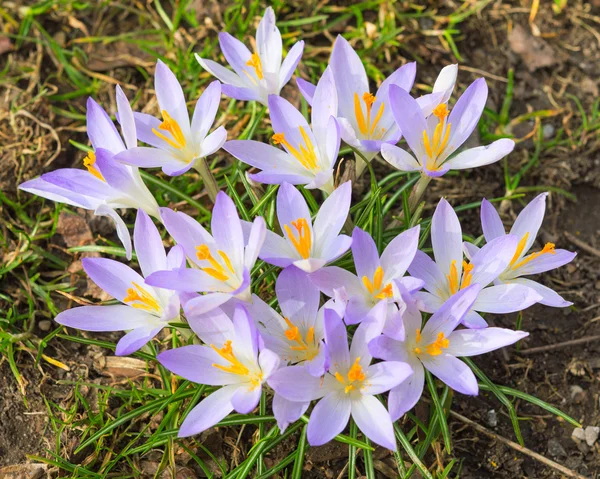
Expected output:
(206, 303)
(145, 125)
(294, 383)
(146, 157)
(332, 142)
(268, 361)
(349, 134)
(209, 412)
(240, 93)
(370, 328)
(449, 316)
(40, 187)
(287, 120)
(80, 182)
(263, 156)
(357, 308)
(318, 365)
(445, 82)
(529, 221)
(170, 96)
(332, 215)
(467, 111)
(185, 231)
(113, 277)
(245, 399)
(549, 296)
(453, 372)
(279, 178)
(286, 412)
(148, 245)
(206, 110)
(135, 339)
(472, 342)
(481, 155)
(399, 159)
(429, 303)
(225, 75)
(386, 375)
(101, 130)
(290, 63)
(437, 172)
(336, 248)
(126, 118)
(277, 251)
(122, 231)
(329, 418)
(324, 106)
(399, 253)
(213, 327)
(470, 250)
(188, 280)
(492, 259)
(255, 242)
(505, 298)
(291, 206)
(490, 221)
(213, 142)
(365, 254)
(227, 229)
(337, 341)
(246, 334)
(409, 117)
(373, 419)
(176, 257)
(195, 363)
(307, 89)
(176, 167)
(116, 175)
(425, 269)
(236, 53)
(406, 395)
(116, 317)
(394, 323)
(268, 41)
(446, 238)
(298, 296)
(388, 349)
(403, 77)
(474, 320)
(332, 277)
(545, 262)
(310, 265)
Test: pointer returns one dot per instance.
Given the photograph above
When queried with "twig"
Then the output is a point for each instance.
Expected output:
(580, 244)
(552, 347)
(538, 457)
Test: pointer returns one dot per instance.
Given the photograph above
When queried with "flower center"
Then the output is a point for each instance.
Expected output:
(303, 242)
(305, 153)
(235, 366)
(89, 162)
(375, 287)
(255, 63)
(453, 278)
(171, 126)
(217, 269)
(548, 248)
(138, 297)
(354, 379)
(435, 146)
(306, 346)
(433, 349)
(366, 127)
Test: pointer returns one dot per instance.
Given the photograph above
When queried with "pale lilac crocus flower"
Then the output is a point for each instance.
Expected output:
(107, 184)
(145, 309)
(374, 276)
(176, 144)
(221, 262)
(256, 75)
(350, 386)
(436, 347)
(304, 244)
(434, 140)
(309, 153)
(450, 273)
(238, 362)
(525, 228)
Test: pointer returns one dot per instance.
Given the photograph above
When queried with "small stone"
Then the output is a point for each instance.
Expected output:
(578, 434)
(555, 448)
(491, 418)
(548, 131)
(576, 392)
(45, 325)
(591, 435)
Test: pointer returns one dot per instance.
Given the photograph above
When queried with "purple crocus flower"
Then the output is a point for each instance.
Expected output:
(374, 279)
(308, 154)
(221, 261)
(365, 120)
(176, 144)
(525, 228)
(107, 184)
(237, 362)
(350, 386)
(434, 139)
(256, 75)
(145, 309)
(435, 347)
(306, 245)
(450, 274)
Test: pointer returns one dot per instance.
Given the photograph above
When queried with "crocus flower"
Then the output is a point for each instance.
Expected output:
(176, 144)
(306, 245)
(374, 275)
(239, 364)
(221, 261)
(145, 309)
(450, 273)
(365, 120)
(308, 154)
(107, 184)
(350, 386)
(526, 228)
(434, 140)
(435, 347)
(256, 75)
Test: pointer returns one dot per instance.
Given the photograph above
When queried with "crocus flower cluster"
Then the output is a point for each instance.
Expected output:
(346, 329)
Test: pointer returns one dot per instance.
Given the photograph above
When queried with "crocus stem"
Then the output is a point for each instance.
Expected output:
(201, 166)
(362, 161)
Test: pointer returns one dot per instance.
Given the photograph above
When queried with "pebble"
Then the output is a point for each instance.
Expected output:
(45, 325)
(491, 418)
(555, 448)
(548, 131)
(578, 434)
(591, 435)
(575, 391)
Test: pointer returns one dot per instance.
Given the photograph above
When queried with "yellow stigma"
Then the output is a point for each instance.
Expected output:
(306, 346)
(454, 280)
(138, 297)
(366, 127)
(548, 248)
(434, 147)
(235, 366)
(441, 111)
(302, 243)
(355, 375)
(217, 269)
(305, 153)
(375, 287)
(170, 125)
(433, 349)
(89, 162)
(255, 63)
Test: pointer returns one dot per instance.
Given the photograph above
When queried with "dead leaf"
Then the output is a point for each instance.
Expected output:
(116, 366)
(74, 229)
(118, 54)
(534, 51)
(23, 471)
